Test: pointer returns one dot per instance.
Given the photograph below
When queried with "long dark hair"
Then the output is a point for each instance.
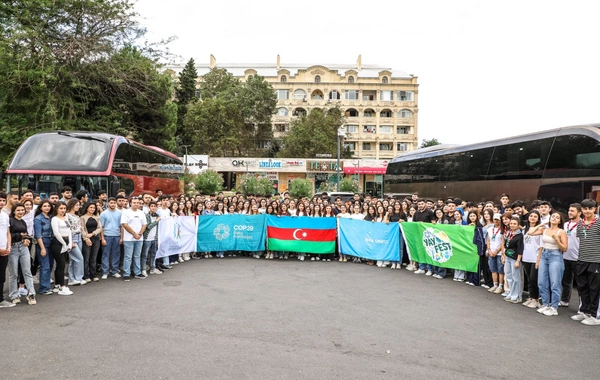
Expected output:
(38, 210)
(477, 222)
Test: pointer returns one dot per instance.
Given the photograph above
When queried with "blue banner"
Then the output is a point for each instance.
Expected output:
(373, 241)
(231, 233)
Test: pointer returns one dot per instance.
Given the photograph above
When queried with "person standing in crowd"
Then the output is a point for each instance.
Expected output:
(424, 215)
(504, 201)
(587, 272)
(164, 213)
(82, 197)
(531, 250)
(67, 194)
(19, 256)
(62, 243)
(103, 199)
(480, 243)
(150, 245)
(76, 269)
(544, 209)
(134, 224)
(43, 234)
(494, 252)
(110, 219)
(397, 216)
(5, 248)
(571, 254)
(550, 262)
(512, 254)
(487, 222)
(91, 231)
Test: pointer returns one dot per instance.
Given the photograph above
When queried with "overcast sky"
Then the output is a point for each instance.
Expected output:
(487, 69)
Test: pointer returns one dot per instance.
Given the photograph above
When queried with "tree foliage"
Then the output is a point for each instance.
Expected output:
(427, 143)
(301, 187)
(232, 117)
(77, 64)
(185, 93)
(208, 182)
(250, 184)
(349, 184)
(312, 134)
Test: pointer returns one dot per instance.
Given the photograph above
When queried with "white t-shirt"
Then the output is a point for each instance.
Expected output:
(4, 224)
(163, 213)
(572, 253)
(135, 220)
(531, 245)
(357, 216)
(495, 237)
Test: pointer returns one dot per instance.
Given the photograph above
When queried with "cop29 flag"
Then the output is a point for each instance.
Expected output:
(441, 245)
(301, 234)
(176, 236)
(374, 241)
(231, 233)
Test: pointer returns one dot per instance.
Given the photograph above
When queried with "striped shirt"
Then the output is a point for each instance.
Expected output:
(589, 241)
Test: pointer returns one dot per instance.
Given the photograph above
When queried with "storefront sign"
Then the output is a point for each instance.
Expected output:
(323, 166)
(269, 164)
(242, 163)
(293, 163)
(196, 163)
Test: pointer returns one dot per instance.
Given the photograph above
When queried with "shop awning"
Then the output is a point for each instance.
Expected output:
(364, 170)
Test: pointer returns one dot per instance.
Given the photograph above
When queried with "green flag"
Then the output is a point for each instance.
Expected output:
(441, 245)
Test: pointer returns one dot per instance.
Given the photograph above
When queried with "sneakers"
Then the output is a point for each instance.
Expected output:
(534, 304)
(56, 289)
(580, 316)
(23, 292)
(493, 289)
(526, 303)
(31, 299)
(5, 304)
(47, 293)
(504, 294)
(82, 282)
(95, 279)
(155, 271)
(116, 275)
(550, 312)
(72, 283)
(563, 304)
(470, 283)
(410, 267)
(429, 273)
(499, 290)
(126, 279)
(104, 276)
(543, 309)
(144, 273)
(88, 280)
(165, 267)
(301, 258)
(591, 321)
(437, 276)
(515, 301)
(64, 291)
(419, 271)
(485, 286)
(139, 277)
(180, 259)
(16, 301)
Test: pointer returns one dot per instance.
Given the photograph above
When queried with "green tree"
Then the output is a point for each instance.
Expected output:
(250, 184)
(185, 93)
(301, 187)
(76, 64)
(315, 133)
(208, 182)
(349, 184)
(427, 143)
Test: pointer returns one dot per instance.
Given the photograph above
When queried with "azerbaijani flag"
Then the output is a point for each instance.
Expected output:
(301, 234)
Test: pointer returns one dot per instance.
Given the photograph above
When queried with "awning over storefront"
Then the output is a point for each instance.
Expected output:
(364, 170)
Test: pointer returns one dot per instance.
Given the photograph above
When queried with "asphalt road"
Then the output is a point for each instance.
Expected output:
(244, 318)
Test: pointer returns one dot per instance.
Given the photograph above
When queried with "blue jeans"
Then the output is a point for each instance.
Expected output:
(550, 273)
(148, 246)
(46, 264)
(439, 271)
(514, 279)
(133, 252)
(76, 260)
(19, 254)
(425, 266)
(111, 254)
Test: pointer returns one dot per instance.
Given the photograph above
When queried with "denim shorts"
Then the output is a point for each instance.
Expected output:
(496, 265)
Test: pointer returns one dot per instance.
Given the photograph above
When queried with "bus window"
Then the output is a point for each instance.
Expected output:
(477, 164)
(573, 156)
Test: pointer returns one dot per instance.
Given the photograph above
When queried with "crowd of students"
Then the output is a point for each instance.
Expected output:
(522, 251)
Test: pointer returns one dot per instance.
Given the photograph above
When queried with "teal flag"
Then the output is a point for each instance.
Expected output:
(441, 245)
(231, 233)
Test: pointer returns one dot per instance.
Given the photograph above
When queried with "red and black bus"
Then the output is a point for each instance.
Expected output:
(91, 161)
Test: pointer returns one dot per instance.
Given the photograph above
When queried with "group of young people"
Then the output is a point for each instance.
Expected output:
(522, 250)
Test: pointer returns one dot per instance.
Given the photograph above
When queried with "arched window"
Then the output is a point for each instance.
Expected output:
(405, 114)
(317, 95)
(334, 95)
(369, 112)
(299, 112)
(300, 94)
(283, 79)
(351, 112)
(282, 111)
(385, 113)
(350, 79)
(317, 79)
(384, 80)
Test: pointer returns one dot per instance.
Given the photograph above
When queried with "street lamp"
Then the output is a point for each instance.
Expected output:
(341, 132)
(186, 157)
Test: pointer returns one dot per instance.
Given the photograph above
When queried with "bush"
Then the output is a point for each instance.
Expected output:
(208, 182)
(249, 184)
(300, 187)
(348, 184)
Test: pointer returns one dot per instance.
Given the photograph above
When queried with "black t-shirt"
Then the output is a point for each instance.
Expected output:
(91, 225)
(396, 217)
(17, 227)
(426, 216)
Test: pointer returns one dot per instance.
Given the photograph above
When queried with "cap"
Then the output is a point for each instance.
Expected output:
(497, 216)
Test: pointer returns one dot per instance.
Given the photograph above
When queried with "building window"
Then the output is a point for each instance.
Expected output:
(406, 96)
(385, 129)
(281, 128)
(351, 95)
(366, 146)
(352, 128)
(299, 95)
(384, 80)
(317, 79)
(317, 95)
(369, 96)
(334, 95)
(386, 96)
(405, 114)
(386, 113)
(350, 79)
(369, 113)
(385, 146)
(299, 112)
(283, 94)
(283, 79)
(402, 130)
(402, 147)
(369, 129)
(263, 144)
(282, 111)
(350, 145)
(197, 94)
(351, 112)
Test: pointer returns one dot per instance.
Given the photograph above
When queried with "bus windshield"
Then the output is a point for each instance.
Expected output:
(64, 152)
(44, 184)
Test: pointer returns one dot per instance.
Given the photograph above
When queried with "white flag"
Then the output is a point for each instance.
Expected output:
(176, 236)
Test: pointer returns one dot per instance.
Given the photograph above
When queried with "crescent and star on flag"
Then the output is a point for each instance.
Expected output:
(303, 234)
